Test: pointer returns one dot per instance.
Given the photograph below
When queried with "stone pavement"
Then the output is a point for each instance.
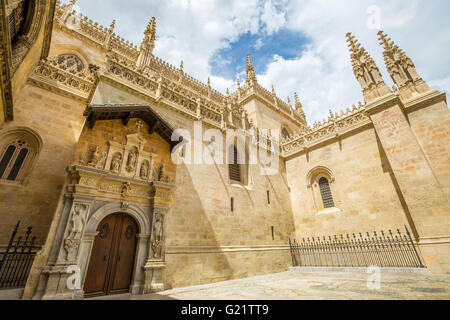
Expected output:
(309, 285)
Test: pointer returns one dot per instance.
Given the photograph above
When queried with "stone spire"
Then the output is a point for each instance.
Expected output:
(401, 68)
(299, 107)
(251, 76)
(298, 104)
(147, 46)
(366, 71)
(112, 26)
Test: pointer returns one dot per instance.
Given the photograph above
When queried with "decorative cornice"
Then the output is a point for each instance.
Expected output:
(334, 127)
(424, 100)
(52, 75)
(382, 103)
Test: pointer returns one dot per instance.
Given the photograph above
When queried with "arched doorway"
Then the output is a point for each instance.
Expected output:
(112, 259)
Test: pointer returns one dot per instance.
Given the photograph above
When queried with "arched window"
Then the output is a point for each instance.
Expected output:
(17, 15)
(18, 150)
(322, 183)
(285, 133)
(325, 191)
(234, 167)
(13, 160)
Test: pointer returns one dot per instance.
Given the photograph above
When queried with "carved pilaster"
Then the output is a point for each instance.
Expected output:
(155, 264)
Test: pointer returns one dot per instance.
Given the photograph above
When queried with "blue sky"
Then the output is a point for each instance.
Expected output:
(231, 60)
(296, 45)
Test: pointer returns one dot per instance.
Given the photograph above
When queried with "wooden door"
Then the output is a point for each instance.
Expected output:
(112, 259)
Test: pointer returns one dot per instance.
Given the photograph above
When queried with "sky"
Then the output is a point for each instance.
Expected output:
(297, 45)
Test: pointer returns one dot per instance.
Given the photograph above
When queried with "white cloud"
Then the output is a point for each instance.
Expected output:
(273, 19)
(193, 30)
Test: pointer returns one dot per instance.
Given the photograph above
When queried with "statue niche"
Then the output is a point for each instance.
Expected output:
(132, 159)
(145, 169)
(158, 232)
(116, 163)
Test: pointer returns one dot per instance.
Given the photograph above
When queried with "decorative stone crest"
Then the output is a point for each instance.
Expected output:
(126, 189)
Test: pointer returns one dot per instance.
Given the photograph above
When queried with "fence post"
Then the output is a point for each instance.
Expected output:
(414, 247)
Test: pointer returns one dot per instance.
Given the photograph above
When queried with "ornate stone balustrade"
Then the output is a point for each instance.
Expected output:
(160, 87)
(54, 76)
(329, 129)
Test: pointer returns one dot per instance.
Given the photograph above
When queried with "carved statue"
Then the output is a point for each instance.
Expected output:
(144, 170)
(158, 232)
(77, 222)
(97, 159)
(161, 173)
(131, 164)
(115, 163)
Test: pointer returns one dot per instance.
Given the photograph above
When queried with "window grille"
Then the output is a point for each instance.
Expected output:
(234, 167)
(325, 191)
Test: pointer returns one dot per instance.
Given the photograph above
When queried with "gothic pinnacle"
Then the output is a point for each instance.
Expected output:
(251, 76)
(151, 28)
(384, 40)
(298, 104)
(112, 26)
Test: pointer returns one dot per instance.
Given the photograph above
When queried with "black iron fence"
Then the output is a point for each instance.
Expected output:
(16, 260)
(384, 249)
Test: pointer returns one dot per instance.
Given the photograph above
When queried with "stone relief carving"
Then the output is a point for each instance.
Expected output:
(132, 159)
(76, 227)
(116, 163)
(158, 233)
(126, 189)
(97, 159)
(145, 168)
(124, 206)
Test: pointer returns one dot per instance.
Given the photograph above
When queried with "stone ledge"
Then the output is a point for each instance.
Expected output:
(222, 249)
(356, 270)
(11, 294)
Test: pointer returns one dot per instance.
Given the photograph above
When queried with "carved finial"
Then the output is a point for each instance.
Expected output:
(401, 68)
(238, 83)
(112, 26)
(228, 92)
(151, 29)
(289, 101)
(251, 76)
(147, 45)
(181, 66)
(209, 82)
(366, 71)
(273, 90)
(331, 117)
(298, 104)
(385, 41)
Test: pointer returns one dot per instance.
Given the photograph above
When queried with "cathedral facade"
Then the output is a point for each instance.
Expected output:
(87, 150)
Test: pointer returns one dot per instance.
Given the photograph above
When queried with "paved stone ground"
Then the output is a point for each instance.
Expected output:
(300, 285)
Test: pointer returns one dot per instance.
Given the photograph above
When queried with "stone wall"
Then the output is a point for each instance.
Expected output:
(202, 217)
(58, 121)
(364, 189)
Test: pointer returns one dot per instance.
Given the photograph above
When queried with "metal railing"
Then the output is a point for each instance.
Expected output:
(384, 249)
(16, 260)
